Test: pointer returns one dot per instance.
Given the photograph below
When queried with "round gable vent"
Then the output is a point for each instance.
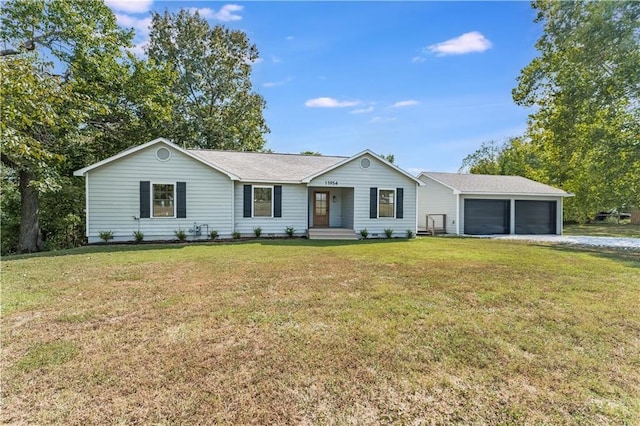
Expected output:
(163, 154)
(365, 163)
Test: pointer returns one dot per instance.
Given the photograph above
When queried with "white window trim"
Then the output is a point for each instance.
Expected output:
(175, 201)
(166, 159)
(253, 200)
(394, 202)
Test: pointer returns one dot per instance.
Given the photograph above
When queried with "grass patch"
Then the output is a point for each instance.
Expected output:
(604, 229)
(432, 330)
(47, 354)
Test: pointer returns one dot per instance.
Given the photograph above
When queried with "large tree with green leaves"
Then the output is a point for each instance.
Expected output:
(514, 156)
(216, 107)
(585, 88)
(70, 95)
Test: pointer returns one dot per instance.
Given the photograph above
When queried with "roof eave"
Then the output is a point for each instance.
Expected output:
(360, 154)
(85, 170)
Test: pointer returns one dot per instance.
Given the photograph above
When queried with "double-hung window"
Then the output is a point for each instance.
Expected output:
(386, 203)
(262, 201)
(163, 196)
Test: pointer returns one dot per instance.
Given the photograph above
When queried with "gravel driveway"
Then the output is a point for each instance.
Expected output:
(618, 242)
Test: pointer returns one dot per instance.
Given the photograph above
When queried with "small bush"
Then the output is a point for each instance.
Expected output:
(235, 235)
(388, 232)
(213, 234)
(289, 230)
(105, 235)
(180, 234)
(410, 233)
(257, 231)
(138, 236)
(364, 233)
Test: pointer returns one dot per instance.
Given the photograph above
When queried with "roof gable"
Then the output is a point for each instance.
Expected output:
(465, 183)
(355, 157)
(132, 150)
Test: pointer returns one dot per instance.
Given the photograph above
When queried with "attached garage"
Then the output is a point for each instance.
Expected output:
(488, 204)
(485, 217)
(535, 217)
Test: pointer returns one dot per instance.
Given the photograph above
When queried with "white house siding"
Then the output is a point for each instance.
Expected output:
(294, 211)
(114, 196)
(381, 176)
(513, 199)
(435, 198)
(347, 208)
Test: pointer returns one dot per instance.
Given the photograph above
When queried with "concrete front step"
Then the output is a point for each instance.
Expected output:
(332, 234)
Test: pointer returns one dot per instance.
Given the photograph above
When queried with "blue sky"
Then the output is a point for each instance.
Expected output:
(425, 81)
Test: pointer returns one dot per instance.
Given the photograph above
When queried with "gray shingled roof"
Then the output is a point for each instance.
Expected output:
(471, 183)
(260, 166)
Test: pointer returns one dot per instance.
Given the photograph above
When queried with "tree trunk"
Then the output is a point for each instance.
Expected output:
(30, 239)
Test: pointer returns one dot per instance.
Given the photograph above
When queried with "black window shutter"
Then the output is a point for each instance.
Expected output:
(373, 203)
(399, 203)
(181, 200)
(246, 210)
(277, 201)
(145, 199)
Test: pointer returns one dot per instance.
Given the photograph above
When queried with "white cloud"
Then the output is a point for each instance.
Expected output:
(417, 59)
(382, 119)
(277, 83)
(466, 43)
(225, 14)
(141, 25)
(329, 103)
(362, 110)
(253, 62)
(130, 6)
(289, 38)
(139, 49)
(402, 104)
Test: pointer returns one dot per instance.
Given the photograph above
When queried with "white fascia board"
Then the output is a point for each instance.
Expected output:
(516, 194)
(355, 157)
(83, 171)
(270, 182)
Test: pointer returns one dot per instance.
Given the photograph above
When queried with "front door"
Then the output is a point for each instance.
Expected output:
(321, 208)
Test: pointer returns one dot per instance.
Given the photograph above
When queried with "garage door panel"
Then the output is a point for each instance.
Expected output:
(484, 217)
(535, 217)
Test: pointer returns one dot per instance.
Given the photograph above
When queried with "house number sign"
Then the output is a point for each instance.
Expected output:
(331, 182)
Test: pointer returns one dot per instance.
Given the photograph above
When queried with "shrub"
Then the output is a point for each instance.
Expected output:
(235, 235)
(289, 230)
(257, 231)
(105, 235)
(364, 233)
(213, 234)
(138, 236)
(410, 233)
(180, 234)
(388, 232)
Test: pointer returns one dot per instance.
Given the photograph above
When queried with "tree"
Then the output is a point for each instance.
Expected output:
(67, 86)
(586, 86)
(216, 107)
(515, 157)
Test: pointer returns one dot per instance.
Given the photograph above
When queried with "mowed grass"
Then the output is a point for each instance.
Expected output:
(432, 330)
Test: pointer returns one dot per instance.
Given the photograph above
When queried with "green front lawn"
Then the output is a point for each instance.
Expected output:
(431, 330)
